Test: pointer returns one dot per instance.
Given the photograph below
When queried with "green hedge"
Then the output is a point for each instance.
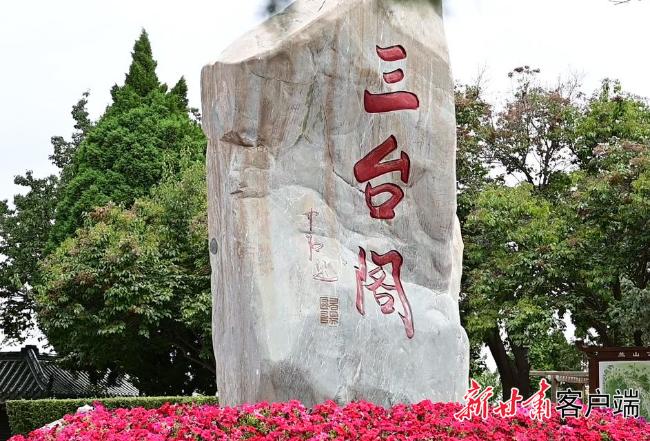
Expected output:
(27, 415)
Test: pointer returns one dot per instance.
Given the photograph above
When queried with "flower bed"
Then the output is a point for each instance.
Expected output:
(328, 421)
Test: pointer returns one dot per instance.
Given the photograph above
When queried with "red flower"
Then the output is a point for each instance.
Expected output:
(327, 421)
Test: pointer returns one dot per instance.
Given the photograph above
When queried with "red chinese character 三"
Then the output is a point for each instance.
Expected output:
(377, 282)
(392, 101)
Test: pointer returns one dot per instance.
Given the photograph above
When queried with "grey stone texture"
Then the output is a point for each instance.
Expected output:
(284, 111)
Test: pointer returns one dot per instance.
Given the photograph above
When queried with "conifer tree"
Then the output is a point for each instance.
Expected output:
(144, 132)
(126, 281)
(142, 76)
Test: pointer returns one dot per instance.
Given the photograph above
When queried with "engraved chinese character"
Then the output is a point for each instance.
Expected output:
(391, 53)
(378, 283)
(392, 101)
(311, 214)
(333, 311)
(324, 272)
(313, 246)
(371, 167)
(323, 311)
(389, 102)
(329, 311)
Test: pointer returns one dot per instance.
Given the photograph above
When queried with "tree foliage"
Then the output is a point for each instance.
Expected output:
(474, 133)
(562, 229)
(512, 238)
(111, 253)
(610, 209)
(124, 287)
(611, 115)
(130, 293)
(24, 233)
(25, 229)
(534, 133)
(144, 132)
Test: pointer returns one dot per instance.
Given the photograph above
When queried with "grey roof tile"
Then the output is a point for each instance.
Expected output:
(30, 375)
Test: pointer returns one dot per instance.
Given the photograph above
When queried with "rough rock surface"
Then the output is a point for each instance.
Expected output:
(335, 249)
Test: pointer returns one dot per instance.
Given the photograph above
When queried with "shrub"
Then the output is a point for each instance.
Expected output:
(28, 415)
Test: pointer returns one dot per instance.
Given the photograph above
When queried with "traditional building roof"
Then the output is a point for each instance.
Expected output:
(30, 375)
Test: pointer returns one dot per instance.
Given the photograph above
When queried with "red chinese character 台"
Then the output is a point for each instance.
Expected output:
(509, 408)
(476, 402)
(385, 210)
(539, 406)
(370, 166)
(381, 290)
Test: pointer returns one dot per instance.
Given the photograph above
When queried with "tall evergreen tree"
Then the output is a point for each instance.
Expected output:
(144, 132)
(125, 286)
(142, 76)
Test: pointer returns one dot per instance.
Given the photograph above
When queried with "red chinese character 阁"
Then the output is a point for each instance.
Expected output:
(371, 166)
(376, 281)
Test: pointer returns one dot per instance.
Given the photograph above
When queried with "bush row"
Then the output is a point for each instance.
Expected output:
(27, 415)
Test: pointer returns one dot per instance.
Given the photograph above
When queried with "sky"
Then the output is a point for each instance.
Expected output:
(53, 51)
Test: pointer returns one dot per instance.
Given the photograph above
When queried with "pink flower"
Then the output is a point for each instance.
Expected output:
(328, 421)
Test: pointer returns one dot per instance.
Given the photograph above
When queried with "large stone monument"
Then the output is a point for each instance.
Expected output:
(335, 248)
